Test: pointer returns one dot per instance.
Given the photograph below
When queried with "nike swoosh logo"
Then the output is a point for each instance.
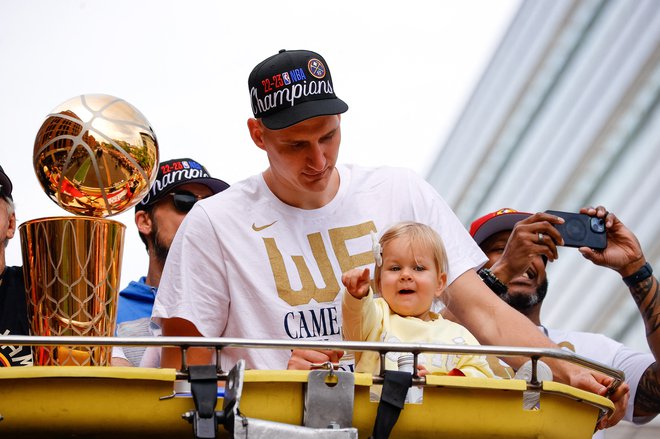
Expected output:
(259, 229)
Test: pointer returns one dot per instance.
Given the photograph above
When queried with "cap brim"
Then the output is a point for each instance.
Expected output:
(215, 184)
(500, 223)
(6, 185)
(303, 111)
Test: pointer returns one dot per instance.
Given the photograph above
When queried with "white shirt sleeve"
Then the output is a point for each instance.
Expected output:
(118, 352)
(634, 364)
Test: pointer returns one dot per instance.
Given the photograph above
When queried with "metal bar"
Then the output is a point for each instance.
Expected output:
(535, 380)
(380, 347)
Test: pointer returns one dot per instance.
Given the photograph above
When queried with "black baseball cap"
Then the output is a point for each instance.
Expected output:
(174, 173)
(5, 184)
(292, 86)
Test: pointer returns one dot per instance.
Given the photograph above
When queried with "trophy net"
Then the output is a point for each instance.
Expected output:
(72, 271)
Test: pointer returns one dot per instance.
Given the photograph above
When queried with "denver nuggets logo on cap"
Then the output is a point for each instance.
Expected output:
(316, 68)
(292, 86)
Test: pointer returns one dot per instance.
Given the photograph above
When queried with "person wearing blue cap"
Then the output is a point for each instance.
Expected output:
(13, 305)
(179, 184)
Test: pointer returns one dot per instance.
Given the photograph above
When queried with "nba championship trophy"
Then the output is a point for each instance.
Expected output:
(95, 156)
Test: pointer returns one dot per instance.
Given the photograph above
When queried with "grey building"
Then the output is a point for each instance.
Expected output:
(565, 116)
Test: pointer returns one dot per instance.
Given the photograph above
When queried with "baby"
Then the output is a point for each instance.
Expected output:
(410, 273)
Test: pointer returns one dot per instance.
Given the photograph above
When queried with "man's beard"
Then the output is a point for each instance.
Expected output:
(525, 302)
(160, 249)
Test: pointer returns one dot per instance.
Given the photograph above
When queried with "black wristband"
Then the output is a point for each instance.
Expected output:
(492, 281)
(643, 273)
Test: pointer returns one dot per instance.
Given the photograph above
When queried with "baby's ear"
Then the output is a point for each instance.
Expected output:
(442, 284)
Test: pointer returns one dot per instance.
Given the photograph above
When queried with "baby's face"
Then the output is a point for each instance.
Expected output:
(409, 279)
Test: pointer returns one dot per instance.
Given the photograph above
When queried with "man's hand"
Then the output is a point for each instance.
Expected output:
(524, 245)
(620, 399)
(302, 359)
(598, 383)
(623, 252)
(422, 371)
(356, 282)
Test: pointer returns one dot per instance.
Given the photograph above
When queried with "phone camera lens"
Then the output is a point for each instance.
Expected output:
(597, 225)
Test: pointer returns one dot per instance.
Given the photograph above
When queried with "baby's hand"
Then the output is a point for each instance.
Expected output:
(356, 282)
(422, 371)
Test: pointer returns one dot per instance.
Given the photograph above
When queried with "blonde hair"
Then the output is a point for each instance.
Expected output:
(418, 235)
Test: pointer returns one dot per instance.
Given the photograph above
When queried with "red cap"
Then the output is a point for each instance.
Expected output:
(494, 222)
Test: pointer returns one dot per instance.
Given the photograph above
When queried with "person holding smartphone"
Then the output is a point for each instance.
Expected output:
(519, 245)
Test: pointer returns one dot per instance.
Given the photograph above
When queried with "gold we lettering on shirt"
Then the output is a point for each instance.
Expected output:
(309, 290)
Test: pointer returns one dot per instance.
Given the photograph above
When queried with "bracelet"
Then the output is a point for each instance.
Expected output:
(492, 281)
(643, 273)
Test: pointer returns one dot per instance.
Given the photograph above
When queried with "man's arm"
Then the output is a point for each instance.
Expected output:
(119, 358)
(494, 322)
(171, 357)
(624, 255)
(647, 298)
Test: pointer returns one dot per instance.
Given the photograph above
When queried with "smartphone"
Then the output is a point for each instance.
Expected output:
(580, 230)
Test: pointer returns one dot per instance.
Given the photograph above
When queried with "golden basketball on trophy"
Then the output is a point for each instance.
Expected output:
(95, 156)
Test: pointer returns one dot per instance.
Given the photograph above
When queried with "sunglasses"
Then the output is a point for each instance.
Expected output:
(184, 201)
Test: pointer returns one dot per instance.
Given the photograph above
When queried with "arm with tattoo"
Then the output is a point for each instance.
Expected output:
(647, 298)
(625, 256)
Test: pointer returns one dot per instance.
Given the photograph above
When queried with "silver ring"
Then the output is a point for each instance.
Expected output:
(540, 241)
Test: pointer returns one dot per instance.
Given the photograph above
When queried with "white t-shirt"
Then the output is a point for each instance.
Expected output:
(245, 264)
(611, 353)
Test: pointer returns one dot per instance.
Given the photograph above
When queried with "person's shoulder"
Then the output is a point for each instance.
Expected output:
(366, 175)
(379, 302)
(581, 340)
(442, 322)
(562, 333)
(13, 274)
(13, 283)
(138, 289)
(14, 271)
(249, 185)
(376, 170)
(238, 195)
(438, 320)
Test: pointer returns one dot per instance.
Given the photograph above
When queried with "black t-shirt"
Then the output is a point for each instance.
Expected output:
(14, 317)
